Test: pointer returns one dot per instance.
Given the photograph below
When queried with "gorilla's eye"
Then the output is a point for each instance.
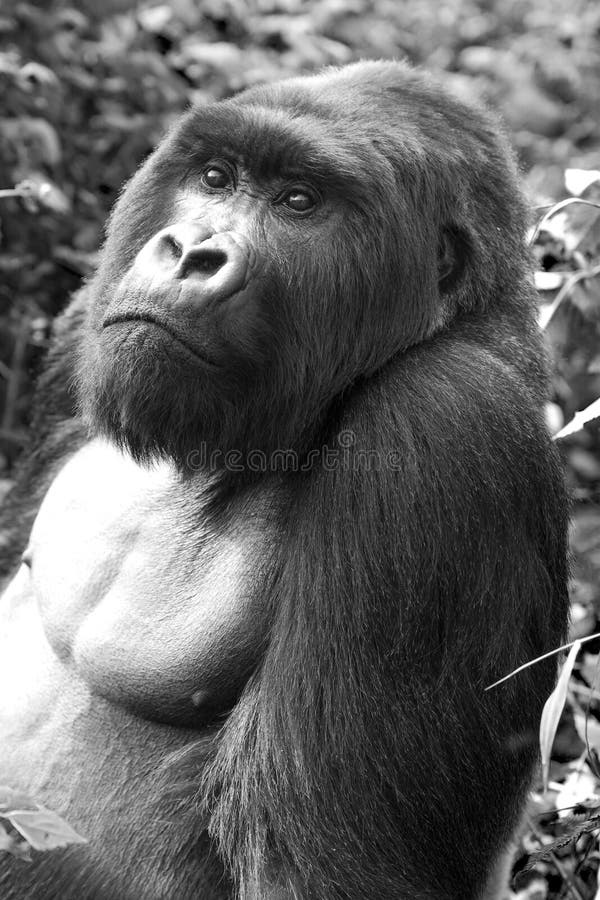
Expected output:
(300, 200)
(215, 177)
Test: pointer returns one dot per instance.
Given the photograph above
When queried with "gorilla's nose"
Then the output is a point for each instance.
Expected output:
(192, 258)
(214, 266)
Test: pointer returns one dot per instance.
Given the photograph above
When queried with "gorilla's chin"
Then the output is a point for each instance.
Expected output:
(157, 400)
(152, 396)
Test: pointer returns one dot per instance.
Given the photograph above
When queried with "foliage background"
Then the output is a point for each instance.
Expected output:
(87, 89)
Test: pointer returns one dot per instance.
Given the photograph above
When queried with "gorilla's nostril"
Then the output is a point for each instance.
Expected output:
(201, 260)
(171, 247)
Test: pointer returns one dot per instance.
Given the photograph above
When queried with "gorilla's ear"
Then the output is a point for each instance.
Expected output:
(453, 252)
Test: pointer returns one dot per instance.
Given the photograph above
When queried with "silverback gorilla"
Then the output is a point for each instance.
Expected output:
(299, 510)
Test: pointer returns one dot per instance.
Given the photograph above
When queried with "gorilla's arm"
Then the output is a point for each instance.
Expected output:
(408, 584)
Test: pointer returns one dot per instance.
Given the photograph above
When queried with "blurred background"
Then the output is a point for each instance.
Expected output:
(88, 88)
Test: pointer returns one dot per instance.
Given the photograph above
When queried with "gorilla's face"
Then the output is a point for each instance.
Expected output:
(273, 250)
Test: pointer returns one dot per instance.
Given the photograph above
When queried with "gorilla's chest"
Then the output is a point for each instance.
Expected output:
(152, 609)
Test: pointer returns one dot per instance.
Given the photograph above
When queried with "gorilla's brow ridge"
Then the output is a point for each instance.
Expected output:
(271, 144)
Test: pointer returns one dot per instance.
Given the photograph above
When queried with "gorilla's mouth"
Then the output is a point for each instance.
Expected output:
(145, 318)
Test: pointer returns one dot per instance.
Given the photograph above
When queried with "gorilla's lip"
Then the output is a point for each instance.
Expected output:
(128, 318)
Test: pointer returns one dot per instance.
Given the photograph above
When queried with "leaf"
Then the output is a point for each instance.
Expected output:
(579, 787)
(37, 73)
(43, 829)
(11, 844)
(588, 414)
(568, 221)
(549, 281)
(577, 181)
(552, 711)
(40, 191)
(155, 18)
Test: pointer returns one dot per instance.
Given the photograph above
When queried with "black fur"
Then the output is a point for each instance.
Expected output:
(395, 327)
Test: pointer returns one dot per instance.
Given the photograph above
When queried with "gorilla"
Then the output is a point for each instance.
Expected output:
(290, 507)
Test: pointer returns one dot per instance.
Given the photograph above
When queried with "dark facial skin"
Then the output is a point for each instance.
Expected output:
(334, 266)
